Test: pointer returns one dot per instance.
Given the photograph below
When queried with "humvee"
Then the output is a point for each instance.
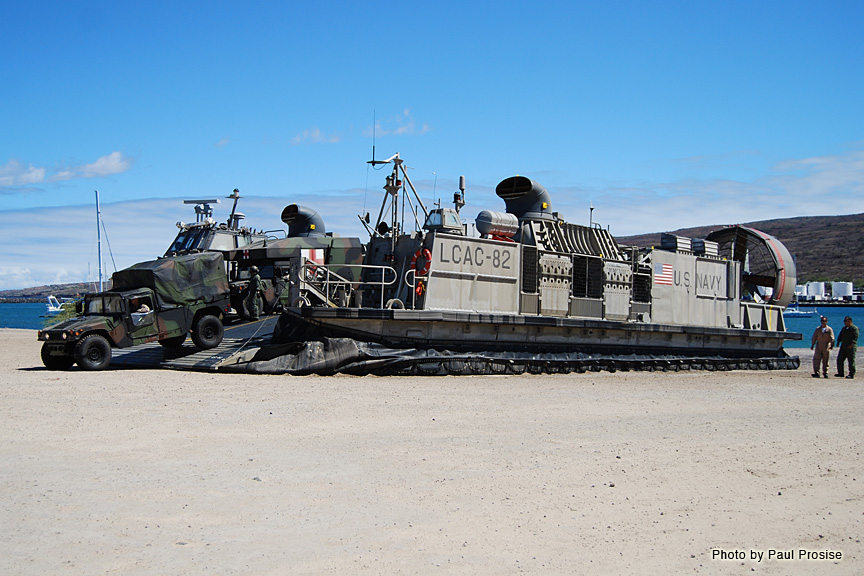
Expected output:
(161, 300)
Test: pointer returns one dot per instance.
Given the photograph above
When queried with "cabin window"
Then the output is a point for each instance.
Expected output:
(103, 304)
(434, 220)
(145, 301)
(222, 241)
(178, 242)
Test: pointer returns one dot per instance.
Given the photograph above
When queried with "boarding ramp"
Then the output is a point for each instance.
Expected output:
(241, 343)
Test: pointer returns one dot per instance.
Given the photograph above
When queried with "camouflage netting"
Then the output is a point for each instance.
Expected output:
(177, 280)
(344, 355)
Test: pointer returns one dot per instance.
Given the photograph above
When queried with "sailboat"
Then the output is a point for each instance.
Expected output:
(54, 306)
(795, 312)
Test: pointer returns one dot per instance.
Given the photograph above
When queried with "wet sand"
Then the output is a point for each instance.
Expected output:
(165, 472)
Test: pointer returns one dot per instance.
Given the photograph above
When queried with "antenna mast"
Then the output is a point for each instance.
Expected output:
(99, 238)
(235, 195)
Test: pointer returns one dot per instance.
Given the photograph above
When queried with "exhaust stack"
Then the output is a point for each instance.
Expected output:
(302, 221)
(526, 199)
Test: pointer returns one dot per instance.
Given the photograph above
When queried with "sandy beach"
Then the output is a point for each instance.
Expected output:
(167, 472)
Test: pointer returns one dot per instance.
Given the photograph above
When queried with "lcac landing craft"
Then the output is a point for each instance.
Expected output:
(535, 292)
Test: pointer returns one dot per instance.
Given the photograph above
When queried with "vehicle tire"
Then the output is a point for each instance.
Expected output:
(207, 332)
(56, 362)
(93, 353)
(175, 342)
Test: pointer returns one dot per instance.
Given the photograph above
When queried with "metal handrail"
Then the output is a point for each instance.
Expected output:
(344, 281)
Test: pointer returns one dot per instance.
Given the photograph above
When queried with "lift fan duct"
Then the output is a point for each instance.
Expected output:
(765, 261)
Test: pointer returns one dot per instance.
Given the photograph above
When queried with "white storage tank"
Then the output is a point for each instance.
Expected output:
(816, 289)
(841, 289)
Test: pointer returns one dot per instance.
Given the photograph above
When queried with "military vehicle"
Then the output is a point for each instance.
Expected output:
(534, 292)
(161, 300)
(274, 252)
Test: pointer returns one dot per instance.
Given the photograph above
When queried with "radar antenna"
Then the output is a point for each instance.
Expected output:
(203, 210)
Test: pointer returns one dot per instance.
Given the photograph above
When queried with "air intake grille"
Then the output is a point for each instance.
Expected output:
(529, 270)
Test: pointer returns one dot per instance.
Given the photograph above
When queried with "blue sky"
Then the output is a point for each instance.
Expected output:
(660, 114)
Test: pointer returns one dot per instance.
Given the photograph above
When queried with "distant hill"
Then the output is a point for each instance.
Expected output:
(40, 293)
(825, 247)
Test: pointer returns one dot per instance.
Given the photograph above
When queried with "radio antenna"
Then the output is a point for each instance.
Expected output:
(374, 127)
(374, 162)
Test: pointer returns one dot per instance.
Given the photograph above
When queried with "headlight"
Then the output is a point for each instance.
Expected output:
(64, 336)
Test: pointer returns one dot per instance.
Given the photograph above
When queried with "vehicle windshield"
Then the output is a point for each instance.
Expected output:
(190, 239)
(103, 304)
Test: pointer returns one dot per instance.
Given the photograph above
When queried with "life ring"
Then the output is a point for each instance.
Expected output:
(427, 261)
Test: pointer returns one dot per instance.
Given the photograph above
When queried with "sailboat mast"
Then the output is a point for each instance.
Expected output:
(99, 238)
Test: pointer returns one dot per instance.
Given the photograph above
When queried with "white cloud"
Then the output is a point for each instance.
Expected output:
(222, 143)
(315, 136)
(13, 173)
(58, 244)
(114, 163)
(16, 277)
(824, 178)
(400, 125)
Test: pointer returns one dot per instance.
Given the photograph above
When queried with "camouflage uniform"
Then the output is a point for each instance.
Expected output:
(256, 286)
(822, 341)
(847, 341)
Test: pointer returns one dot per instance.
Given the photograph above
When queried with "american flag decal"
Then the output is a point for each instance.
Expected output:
(663, 274)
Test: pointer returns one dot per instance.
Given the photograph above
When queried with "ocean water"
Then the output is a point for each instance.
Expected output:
(24, 315)
(30, 316)
(835, 315)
